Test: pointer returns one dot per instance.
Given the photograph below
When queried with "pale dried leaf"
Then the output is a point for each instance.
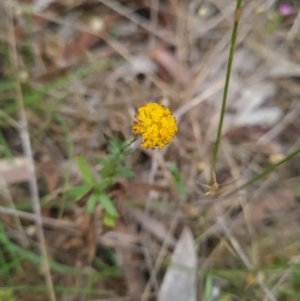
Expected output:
(288, 69)
(14, 171)
(179, 283)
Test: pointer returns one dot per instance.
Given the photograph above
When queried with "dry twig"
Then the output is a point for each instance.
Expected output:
(47, 221)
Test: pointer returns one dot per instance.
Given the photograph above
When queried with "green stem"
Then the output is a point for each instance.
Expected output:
(266, 171)
(129, 143)
(228, 72)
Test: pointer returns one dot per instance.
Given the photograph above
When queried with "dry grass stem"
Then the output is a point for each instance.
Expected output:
(47, 221)
(25, 139)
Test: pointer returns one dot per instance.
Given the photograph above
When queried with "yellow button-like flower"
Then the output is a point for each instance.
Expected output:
(155, 124)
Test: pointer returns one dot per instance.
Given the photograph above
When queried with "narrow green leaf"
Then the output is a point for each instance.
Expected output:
(103, 184)
(115, 146)
(78, 192)
(108, 205)
(207, 289)
(6, 85)
(124, 172)
(174, 172)
(101, 160)
(85, 171)
(129, 151)
(109, 220)
(297, 192)
(181, 188)
(177, 178)
(4, 149)
(91, 203)
(265, 172)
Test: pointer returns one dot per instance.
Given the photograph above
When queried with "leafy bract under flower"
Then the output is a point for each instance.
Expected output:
(155, 124)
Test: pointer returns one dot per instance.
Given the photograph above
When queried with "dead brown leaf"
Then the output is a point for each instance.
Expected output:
(50, 172)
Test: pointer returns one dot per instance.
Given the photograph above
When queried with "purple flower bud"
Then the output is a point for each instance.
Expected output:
(285, 9)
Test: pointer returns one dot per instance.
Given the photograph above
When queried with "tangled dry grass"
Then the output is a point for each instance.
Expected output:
(72, 76)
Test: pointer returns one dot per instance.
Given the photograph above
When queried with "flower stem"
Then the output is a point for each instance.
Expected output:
(228, 72)
(129, 143)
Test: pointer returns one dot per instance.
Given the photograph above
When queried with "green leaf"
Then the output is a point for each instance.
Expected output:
(109, 169)
(4, 149)
(226, 297)
(6, 85)
(108, 205)
(103, 184)
(115, 145)
(181, 188)
(109, 220)
(129, 151)
(85, 171)
(174, 171)
(177, 178)
(78, 192)
(124, 172)
(7, 294)
(207, 289)
(297, 192)
(91, 203)
(274, 22)
(102, 161)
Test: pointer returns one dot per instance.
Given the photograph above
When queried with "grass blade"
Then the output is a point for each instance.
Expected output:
(266, 171)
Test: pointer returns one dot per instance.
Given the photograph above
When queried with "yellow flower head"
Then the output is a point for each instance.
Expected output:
(155, 124)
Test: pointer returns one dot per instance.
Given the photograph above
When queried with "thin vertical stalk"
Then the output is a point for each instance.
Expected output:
(25, 140)
(228, 73)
